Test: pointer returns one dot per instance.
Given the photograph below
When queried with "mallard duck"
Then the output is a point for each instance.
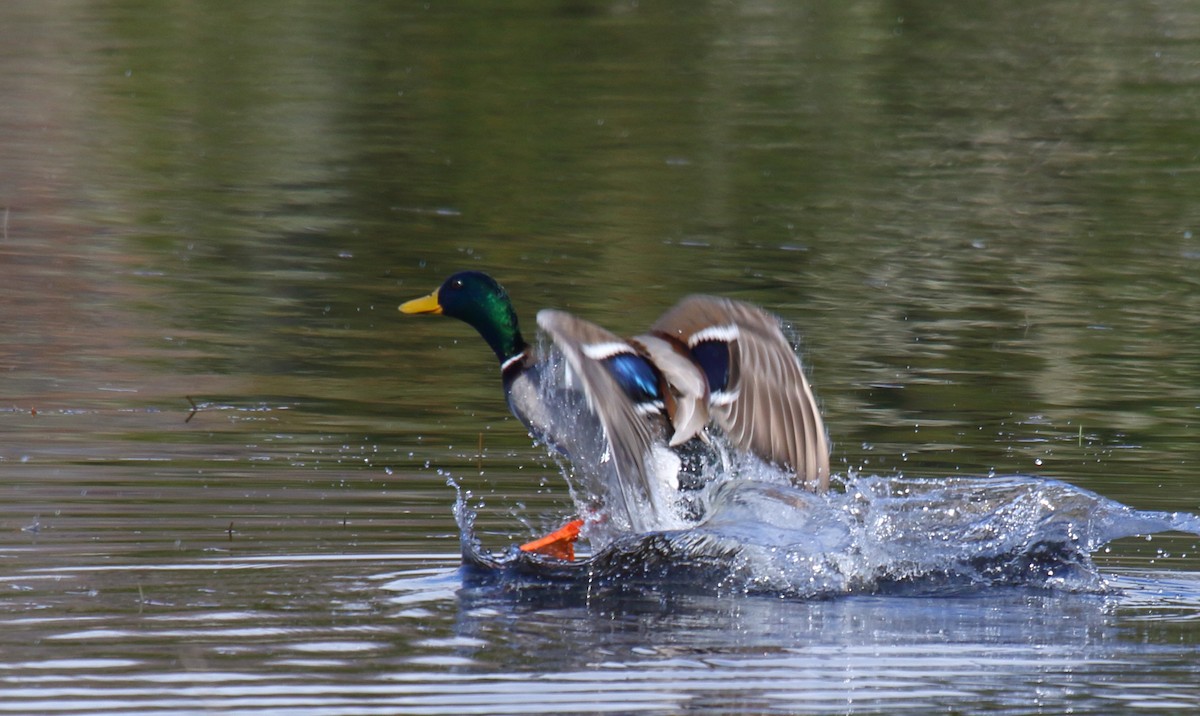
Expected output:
(625, 407)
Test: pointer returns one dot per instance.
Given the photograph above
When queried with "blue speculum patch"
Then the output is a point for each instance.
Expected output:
(635, 375)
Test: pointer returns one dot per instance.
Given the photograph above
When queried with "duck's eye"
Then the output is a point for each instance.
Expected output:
(457, 283)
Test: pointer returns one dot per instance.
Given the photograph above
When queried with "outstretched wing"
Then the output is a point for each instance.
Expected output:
(757, 390)
(611, 375)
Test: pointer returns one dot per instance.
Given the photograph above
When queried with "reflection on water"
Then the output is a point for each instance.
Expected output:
(847, 654)
(981, 222)
(330, 635)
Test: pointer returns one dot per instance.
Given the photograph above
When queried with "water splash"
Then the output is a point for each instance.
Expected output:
(874, 535)
(732, 524)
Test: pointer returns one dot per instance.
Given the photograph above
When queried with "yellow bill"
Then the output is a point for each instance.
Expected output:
(424, 304)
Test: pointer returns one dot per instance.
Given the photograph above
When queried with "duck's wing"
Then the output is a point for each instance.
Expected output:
(620, 389)
(757, 390)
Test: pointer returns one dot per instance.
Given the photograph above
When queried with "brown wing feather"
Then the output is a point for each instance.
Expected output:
(621, 462)
(773, 414)
(786, 427)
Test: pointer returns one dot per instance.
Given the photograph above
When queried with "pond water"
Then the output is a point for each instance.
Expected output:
(228, 464)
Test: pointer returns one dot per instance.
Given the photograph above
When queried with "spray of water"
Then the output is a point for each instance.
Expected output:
(877, 534)
(738, 525)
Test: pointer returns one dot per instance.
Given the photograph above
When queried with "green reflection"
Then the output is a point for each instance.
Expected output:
(979, 220)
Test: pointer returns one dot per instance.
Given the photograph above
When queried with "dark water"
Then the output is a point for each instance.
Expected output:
(982, 222)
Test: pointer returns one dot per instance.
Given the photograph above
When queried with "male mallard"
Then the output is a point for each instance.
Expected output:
(624, 406)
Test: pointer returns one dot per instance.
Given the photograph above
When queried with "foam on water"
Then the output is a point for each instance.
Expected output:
(874, 534)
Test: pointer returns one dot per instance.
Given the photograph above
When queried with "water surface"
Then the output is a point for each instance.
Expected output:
(981, 222)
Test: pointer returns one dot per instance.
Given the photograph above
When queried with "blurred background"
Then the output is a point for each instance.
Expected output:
(980, 220)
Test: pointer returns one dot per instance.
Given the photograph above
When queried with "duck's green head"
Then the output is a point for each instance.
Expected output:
(476, 298)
